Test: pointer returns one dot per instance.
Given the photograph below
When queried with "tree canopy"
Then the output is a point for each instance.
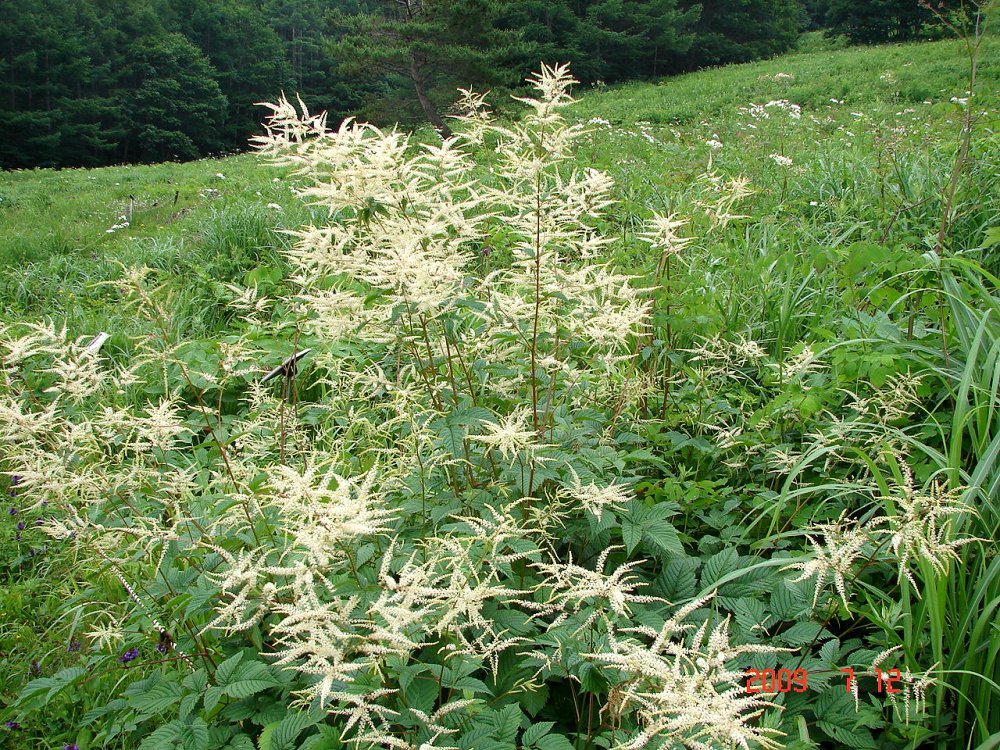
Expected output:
(91, 82)
(874, 21)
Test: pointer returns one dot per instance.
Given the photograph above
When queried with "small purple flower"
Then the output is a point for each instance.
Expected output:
(39, 522)
(17, 537)
(36, 668)
(73, 646)
(15, 479)
(71, 746)
(130, 655)
(12, 725)
(20, 525)
(161, 647)
(12, 511)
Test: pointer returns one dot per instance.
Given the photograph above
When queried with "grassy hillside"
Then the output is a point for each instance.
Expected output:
(210, 220)
(813, 190)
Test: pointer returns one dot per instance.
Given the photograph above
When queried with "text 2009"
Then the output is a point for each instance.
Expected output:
(794, 681)
(776, 681)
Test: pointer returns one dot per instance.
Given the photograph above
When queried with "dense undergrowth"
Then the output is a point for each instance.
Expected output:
(568, 455)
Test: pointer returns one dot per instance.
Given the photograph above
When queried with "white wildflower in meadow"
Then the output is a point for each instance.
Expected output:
(410, 497)
(834, 557)
(510, 436)
(687, 693)
(324, 511)
(573, 589)
(781, 160)
(720, 195)
(714, 144)
(323, 640)
(794, 110)
(662, 234)
(801, 364)
(106, 636)
(595, 499)
(921, 528)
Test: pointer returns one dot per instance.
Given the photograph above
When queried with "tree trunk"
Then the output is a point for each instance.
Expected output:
(430, 112)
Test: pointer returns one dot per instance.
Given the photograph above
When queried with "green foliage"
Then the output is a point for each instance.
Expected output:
(735, 31)
(733, 454)
(175, 107)
(604, 40)
(427, 48)
(875, 21)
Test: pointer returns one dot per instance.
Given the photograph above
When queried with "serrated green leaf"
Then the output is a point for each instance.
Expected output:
(421, 694)
(40, 691)
(196, 682)
(224, 672)
(631, 535)
(194, 736)
(157, 699)
(163, 737)
(536, 731)
(508, 721)
(96, 713)
(848, 737)
(802, 633)
(554, 742)
(718, 565)
(188, 703)
(282, 734)
(665, 536)
(249, 679)
(534, 701)
(212, 697)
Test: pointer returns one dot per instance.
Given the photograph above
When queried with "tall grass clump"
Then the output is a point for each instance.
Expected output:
(485, 496)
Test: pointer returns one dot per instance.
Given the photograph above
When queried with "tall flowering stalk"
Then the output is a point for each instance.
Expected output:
(450, 529)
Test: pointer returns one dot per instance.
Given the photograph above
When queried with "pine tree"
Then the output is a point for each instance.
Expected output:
(175, 107)
(736, 31)
(425, 44)
(874, 21)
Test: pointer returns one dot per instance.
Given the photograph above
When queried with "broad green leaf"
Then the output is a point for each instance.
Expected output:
(533, 733)
(224, 672)
(284, 733)
(249, 679)
(554, 742)
(631, 535)
(508, 722)
(158, 698)
(163, 737)
(194, 736)
(665, 536)
(718, 565)
(39, 692)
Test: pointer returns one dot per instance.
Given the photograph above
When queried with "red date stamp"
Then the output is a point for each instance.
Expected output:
(796, 680)
(776, 681)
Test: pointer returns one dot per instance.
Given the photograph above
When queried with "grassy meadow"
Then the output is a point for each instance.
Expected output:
(819, 353)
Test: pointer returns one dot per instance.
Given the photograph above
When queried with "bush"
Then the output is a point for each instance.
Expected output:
(446, 518)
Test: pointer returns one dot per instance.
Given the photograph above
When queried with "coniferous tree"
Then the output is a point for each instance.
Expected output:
(247, 53)
(426, 45)
(174, 105)
(305, 32)
(875, 21)
(736, 31)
